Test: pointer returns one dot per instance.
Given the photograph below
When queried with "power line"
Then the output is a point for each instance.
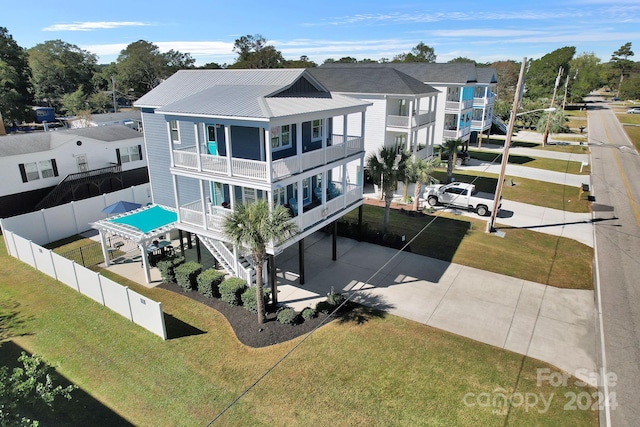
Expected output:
(335, 310)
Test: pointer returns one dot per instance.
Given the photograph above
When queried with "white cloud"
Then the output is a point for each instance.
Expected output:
(91, 26)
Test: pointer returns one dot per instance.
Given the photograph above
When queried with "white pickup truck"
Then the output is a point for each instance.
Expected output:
(461, 195)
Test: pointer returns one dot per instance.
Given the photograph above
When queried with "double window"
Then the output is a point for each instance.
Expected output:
(281, 137)
(129, 154)
(35, 170)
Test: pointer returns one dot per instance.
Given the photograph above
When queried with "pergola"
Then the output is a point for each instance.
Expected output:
(142, 226)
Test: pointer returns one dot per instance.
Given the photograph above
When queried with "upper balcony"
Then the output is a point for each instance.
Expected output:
(421, 119)
(484, 101)
(458, 105)
(340, 148)
(456, 133)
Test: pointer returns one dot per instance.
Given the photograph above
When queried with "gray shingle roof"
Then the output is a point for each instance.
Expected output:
(426, 72)
(370, 80)
(12, 145)
(487, 75)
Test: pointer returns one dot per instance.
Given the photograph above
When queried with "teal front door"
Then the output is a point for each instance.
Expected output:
(212, 145)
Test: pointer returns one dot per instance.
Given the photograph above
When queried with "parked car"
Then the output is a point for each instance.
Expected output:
(462, 157)
(635, 110)
(462, 195)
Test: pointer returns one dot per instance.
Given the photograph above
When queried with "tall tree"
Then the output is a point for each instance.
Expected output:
(387, 168)
(630, 88)
(419, 171)
(254, 52)
(254, 225)
(59, 68)
(587, 75)
(420, 53)
(507, 80)
(15, 84)
(450, 149)
(541, 77)
(620, 59)
(141, 67)
(462, 59)
(303, 62)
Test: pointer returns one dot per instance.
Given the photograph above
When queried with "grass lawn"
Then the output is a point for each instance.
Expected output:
(525, 254)
(530, 191)
(572, 167)
(632, 131)
(378, 372)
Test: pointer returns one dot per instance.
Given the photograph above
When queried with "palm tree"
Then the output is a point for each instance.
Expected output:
(253, 225)
(419, 171)
(450, 149)
(387, 167)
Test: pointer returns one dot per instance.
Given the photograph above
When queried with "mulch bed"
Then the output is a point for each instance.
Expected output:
(245, 323)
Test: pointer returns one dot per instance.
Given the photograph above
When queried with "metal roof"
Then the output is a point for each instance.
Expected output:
(35, 142)
(185, 83)
(370, 80)
(426, 72)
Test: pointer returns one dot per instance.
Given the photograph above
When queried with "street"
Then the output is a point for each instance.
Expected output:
(615, 180)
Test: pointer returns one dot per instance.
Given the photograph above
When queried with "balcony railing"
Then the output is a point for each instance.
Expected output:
(403, 121)
(477, 124)
(254, 169)
(455, 134)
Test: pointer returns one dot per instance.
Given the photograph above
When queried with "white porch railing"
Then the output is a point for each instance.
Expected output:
(216, 217)
(187, 157)
(397, 121)
(191, 213)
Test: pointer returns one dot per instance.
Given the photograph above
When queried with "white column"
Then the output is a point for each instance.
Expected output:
(198, 159)
(172, 162)
(299, 144)
(145, 260)
(227, 138)
(174, 178)
(265, 144)
(203, 204)
(105, 252)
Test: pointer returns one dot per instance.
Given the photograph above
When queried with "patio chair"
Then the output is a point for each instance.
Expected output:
(293, 204)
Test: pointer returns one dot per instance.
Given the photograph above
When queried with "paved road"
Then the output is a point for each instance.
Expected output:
(615, 179)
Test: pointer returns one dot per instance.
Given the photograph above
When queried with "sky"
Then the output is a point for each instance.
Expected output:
(482, 31)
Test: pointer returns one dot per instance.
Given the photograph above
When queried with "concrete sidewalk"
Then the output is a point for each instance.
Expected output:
(543, 322)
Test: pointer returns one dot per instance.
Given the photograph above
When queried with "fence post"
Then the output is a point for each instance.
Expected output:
(82, 257)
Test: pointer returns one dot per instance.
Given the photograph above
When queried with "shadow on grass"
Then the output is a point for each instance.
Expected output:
(11, 321)
(492, 157)
(176, 328)
(81, 410)
(363, 307)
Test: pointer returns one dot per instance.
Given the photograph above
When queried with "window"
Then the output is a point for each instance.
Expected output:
(35, 170)
(129, 154)
(211, 132)
(175, 131)
(279, 196)
(281, 137)
(46, 169)
(305, 188)
(402, 111)
(401, 142)
(316, 130)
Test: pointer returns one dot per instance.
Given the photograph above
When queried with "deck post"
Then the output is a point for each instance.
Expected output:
(272, 279)
(301, 260)
(334, 244)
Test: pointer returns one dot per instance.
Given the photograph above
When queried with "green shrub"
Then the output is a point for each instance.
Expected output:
(287, 316)
(167, 267)
(209, 281)
(186, 275)
(231, 290)
(324, 307)
(308, 313)
(248, 298)
(335, 299)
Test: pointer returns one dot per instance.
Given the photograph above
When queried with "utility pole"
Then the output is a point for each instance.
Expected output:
(555, 90)
(113, 89)
(505, 153)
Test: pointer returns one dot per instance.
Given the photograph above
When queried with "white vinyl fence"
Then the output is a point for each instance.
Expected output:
(59, 222)
(132, 305)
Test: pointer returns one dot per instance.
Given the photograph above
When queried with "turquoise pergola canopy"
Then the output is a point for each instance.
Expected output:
(141, 224)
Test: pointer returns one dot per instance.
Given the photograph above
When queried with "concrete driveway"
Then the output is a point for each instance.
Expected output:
(543, 322)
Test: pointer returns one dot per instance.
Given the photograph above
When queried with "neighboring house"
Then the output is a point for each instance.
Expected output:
(218, 138)
(403, 109)
(131, 119)
(483, 101)
(44, 169)
(455, 82)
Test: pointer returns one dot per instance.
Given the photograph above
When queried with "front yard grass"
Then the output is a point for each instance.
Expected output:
(539, 193)
(572, 167)
(382, 371)
(526, 254)
(632, 131)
